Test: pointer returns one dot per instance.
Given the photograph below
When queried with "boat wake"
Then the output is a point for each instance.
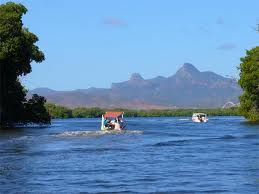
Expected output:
(185, 119)
(97, 133)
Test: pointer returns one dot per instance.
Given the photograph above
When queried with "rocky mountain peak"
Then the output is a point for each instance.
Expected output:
(136, 77)
(187, 88)
(187, 71)
(188, 67)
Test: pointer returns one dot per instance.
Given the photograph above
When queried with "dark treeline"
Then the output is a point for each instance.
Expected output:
(18, 50)
(57, 111)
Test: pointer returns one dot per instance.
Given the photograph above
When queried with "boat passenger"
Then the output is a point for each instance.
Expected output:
(117, 125)
(106, 122)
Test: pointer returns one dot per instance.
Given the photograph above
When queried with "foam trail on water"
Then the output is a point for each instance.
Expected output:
(183, 119)
(96, 133)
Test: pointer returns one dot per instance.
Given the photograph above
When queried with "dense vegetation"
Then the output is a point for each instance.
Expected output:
(249, 81)
(64, 112)
(58, 111)
(17, 52)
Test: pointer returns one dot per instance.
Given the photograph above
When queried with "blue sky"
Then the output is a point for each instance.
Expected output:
(94, 43)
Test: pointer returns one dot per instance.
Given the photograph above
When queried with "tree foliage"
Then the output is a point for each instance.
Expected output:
(249, 81)
(36, 111)
(17, 51)
(87, 112)
(58, 111)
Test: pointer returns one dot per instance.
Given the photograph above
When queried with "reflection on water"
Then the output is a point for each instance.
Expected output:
(170, 155)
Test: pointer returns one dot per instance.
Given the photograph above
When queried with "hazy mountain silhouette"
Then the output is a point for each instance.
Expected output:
(188, 87)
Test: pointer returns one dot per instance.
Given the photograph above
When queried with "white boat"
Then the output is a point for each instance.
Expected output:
(199, 117)
(113, 121)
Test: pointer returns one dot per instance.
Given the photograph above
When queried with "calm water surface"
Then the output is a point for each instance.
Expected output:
(167, 155)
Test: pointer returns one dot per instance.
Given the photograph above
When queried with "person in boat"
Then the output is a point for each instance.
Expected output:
(113, 120)
(106, 122)
(112, 124)
(117, 125)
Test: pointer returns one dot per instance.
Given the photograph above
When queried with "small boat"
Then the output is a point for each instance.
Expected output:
(113, 121)
(199, 117)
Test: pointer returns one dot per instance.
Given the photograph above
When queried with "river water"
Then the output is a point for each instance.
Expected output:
(166, 155)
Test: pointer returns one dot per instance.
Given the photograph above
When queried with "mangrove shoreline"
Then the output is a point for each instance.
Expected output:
(62, 112)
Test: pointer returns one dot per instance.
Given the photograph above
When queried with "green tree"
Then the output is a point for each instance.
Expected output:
(58, 111)
(87, 112)
(17, 51)
(249, 81)
(35, 111)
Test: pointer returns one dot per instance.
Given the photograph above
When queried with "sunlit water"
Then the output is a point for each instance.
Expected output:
(168, 155)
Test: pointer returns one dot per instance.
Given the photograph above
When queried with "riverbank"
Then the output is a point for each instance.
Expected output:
(81, 112)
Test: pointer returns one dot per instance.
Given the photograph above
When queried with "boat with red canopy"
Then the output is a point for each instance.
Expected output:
(113, 121)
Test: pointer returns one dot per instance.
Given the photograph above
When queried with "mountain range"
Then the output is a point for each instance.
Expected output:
(187, 88)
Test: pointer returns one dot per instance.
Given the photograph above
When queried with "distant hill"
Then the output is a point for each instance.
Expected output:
(187, 88)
